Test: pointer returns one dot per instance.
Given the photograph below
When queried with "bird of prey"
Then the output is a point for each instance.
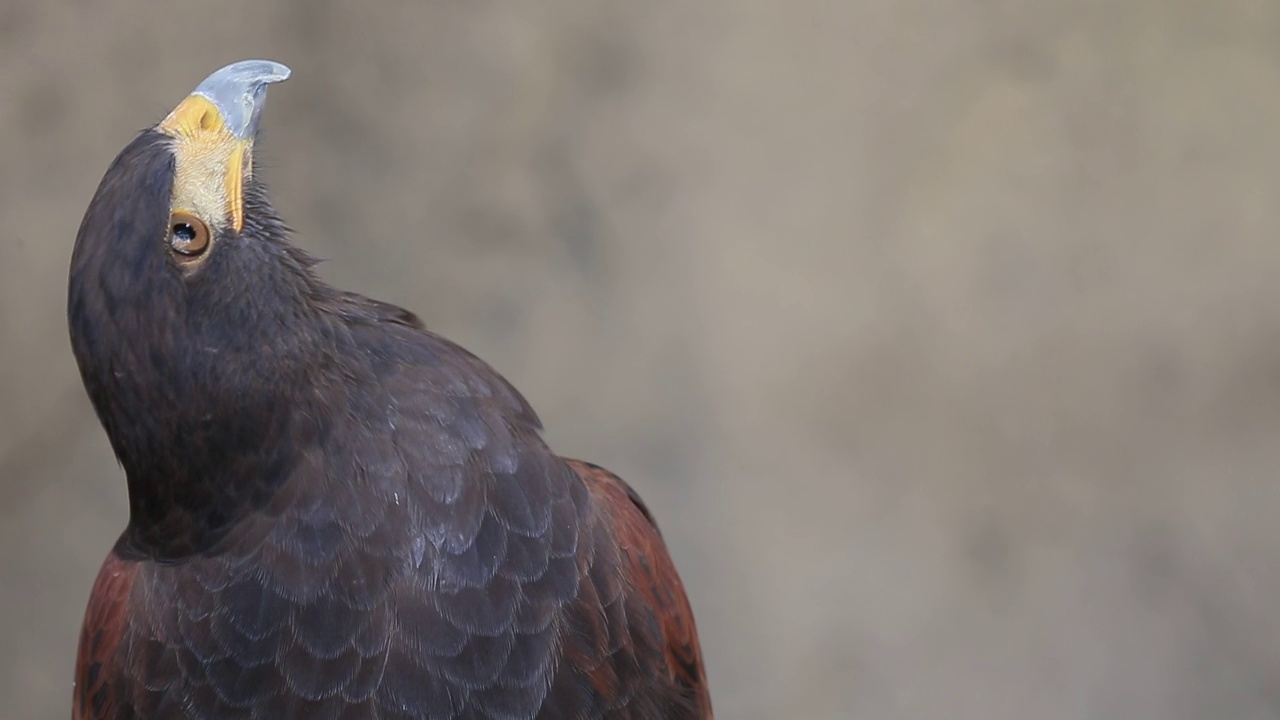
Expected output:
(333, 512)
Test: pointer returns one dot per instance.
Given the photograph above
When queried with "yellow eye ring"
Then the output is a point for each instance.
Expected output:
(188, 235)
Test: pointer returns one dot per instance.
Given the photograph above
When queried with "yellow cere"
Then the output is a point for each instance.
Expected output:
(210, 163)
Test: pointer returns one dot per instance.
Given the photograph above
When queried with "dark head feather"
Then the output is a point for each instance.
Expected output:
(197, 377)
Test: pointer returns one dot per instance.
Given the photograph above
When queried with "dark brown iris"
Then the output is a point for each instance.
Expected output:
(188, 235)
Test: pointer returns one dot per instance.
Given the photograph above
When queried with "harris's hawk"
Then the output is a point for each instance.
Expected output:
(333, 512)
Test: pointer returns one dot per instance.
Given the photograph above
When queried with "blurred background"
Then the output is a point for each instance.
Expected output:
(942, 336)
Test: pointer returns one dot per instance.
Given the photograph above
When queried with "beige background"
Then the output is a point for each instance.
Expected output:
(943, 336)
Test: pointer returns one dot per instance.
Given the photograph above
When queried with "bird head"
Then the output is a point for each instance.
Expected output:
(191, 317)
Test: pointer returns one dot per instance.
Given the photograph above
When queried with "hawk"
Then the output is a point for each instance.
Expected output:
(333, 512)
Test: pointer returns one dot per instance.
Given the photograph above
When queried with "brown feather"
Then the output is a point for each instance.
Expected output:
(649, 571)
(104, 624)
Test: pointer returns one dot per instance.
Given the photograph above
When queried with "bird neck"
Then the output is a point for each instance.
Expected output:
(207, 440)
(196, 476)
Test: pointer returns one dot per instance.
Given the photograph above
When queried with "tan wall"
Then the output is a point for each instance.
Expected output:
(943, 336)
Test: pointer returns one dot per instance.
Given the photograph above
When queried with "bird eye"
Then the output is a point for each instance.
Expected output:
(188, 235)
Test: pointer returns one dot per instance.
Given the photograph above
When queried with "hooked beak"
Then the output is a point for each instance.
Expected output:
(216, 126)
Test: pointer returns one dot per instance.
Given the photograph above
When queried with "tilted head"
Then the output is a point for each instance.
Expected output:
(191, 318)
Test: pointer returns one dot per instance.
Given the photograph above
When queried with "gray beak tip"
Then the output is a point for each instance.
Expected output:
(239, 92)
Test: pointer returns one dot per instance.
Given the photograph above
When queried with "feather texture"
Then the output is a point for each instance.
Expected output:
(338, 514)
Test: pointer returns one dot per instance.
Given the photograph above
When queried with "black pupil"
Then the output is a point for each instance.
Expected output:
(184, 233)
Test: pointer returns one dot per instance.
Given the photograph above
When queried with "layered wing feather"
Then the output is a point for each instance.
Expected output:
(428, 557)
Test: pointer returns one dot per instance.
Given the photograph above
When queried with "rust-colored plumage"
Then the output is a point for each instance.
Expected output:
(334, 513)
